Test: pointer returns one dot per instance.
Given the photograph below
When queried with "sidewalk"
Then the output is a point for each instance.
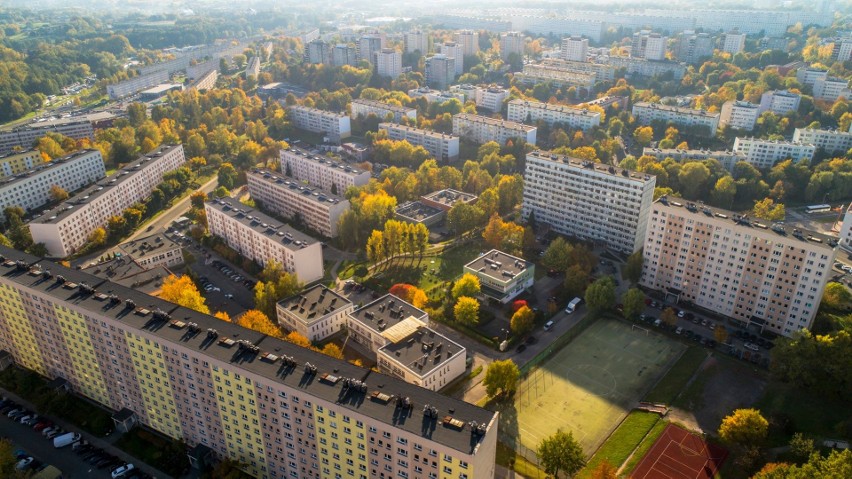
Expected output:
(102, 443)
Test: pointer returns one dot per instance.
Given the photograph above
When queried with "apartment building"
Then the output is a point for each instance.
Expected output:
(388, 63)
(206, 81)
(19, 162)
(31, 189)
(588, 200)
(436, 96)
(134, 85)
(609, 101)
(335, 125)
(67, 226)
(733, 42)
(369, 45)
(832, 141)
(372, 325)
(646, 113)
(455, 51)
(646, 68)
(523, 111)
(280, 410)
(318, 52)
(344, 54)
(422, 356)
(765, 153)
(502, 277)
(253, 67)
(691, 47)
(327, 174)
(830, 89)
(558, 25)
(846, 230)
(603, 71)
(809, 75)
(511, 42)
(447, 198)
(440, 71)
(649, 45)
(153, 251)
(315, 208)
(261, 238)
(557, 75)
(468, 40)
(24, 137)
(440, 145)
(489, 97)
(575, 49)
(316, 313)
(482, 129)
(779, 102)
(727, 158)
(739, 115)
(760, 274)
(416, 40)
(363, 108)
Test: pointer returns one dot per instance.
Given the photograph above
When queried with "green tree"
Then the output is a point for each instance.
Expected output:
(692, 178)
(501, 377)
(838, 464)
(634, 302)
(557, 256)
(197, 199)
(744, 427)
(801, 447)
(669, 317)
(560, 452)
(633, 267)
(522, 321)
(57, 193)
(643, 135)
(464, 217)
(576, 281)
(227, 176)
(137, 113)
(600, 295)
(466, 311)
(467, 285)
(724, 192)
(836, 296)
(4, 241)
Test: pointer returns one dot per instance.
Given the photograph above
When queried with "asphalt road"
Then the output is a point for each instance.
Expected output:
(177, 210)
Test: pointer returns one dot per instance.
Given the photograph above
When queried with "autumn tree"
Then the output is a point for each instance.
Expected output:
(224, 316)
(97, 237)
(744, 427)
(467, 285)
(522, 321)
(604, 470)
(275, 284)
(297, 339)
(501, 377)
(838, 464)
(633, 267)
(181, 290)
(836, 296)
(57, 193)
(768, 210)
(557, 256)
(633, 302)
(669, 317)
(720, 334)
(505, 236)
(560, 452)
(409, 293)
(197, 199)
(576, 281)
(257, 321)
(643, 135)
(600, 295)
(227, 176)
(466, 311)
(332, 350)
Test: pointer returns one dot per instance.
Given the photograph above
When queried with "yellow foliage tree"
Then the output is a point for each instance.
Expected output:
(297, 339)
(181, 290)
(223, 316)
(257, 321)
(332, 350)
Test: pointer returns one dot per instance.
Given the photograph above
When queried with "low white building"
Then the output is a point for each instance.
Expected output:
(765, 153)
(832, 141)
(485, 96)
(739, 115)
(779, 102)
(153, 251)
(646, 113)
(336, 125)
(316, 313)
(523, 111)
(556, 75)
(442, 146)
(421, 356)
(372, 325)
(502, 276)
(362, 108)
(733, 42)
(727, 158)
(846, 230)
(482, 129)
(830, 89)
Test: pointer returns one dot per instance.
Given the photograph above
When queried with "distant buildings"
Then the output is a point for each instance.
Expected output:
(442, 146)
(511, 42)
(316, 313)
(416, 40)
(739, 115)
(134, 85)
(440, 71)
(469, 41)
(455, 51)
(489, 97)
(832, 141)
(388, 63)
(759, 274)
(649, 45)
(762, 153)
(344, 54)
(24, 137)
(253, 67)
(646, 113)
(502, 276)
(733, 42)
(691, 47)
(319, 52)
(575, 49)
(522, 111)
(588, 200)
(727, 158)
(779, 102)
(328, 174)
(557, 74)
(830, 89)
(369, 45)
(335, 125)
(363, 108)
(482, 129)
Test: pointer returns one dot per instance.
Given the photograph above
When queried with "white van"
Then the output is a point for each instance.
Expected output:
(65, 439)
(572, 306)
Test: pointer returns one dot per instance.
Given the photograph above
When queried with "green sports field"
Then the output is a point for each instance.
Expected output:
(588, 387)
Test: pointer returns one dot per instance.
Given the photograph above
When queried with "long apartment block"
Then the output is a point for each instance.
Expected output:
(67, 226)
(384, 111)
(281, 410)
(335, 125)
(328, 174)
(31, 189)
(832, 141)
(727, 158)
(588, 200)
(768, 275)
(440, 145)
(19, 162)
(523, 111)
(556, 75)
(482, 129)
(646, 113)
(136, 84)
(25, 136)
(261, 238)
(317, 209)
(763, 153)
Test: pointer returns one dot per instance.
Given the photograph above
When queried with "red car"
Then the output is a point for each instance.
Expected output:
(41, 425)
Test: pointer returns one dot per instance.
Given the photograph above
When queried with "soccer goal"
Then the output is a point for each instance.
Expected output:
(635, 327)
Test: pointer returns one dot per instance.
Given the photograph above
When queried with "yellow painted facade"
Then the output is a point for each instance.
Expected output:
(19, 162)
(21, 330)
(154, 384)
(342, 444)
(90, 380)
(240, 419)
(453, 468)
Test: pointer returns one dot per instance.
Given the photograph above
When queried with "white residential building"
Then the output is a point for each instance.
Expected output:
(19, 162)
(377, 324)
(134, 85)
(779, 102)
(344, 54)
(646, 113)
(558, 25)
(733, 42)
(588, 200)
(728, 159)
(317, 209)
(830, 89)
(24, 137)
(327, 174)
(335, 125)
(649, 45)
(511, 42)
(261, 238)
(416, 40)
(440, 71)
(319, 52)
(469, 41)
(456, 52)
(369, 45)
(522, 111)
(156, 250)
(253, 67)
(846, 230)
(763, 153)
(485, 96)
(68, 226)
(604, 71)
(389, 63)
(557, 74)
(739, 115)
(832, 141)
(316, 313)
(691, 47)
(809, 75)
(440, 145)
(31, 189)
(423, 357)
(759, 274)
(502, 277)
(482, 129)
(363, 108)
(575, 49)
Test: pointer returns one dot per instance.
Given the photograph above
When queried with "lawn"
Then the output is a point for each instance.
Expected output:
(166, 455)
(508, 458)
(675, 380)
(623, 441)
(645, 445)
(427, 273)
(798, 408)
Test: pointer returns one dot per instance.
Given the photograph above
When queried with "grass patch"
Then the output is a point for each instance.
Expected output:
(475, 372)
(349, 268)
(622, 441)
(645, 446)
(428, 273)
(508, 458)
(166, 455)
(667, 389)
(795, 406)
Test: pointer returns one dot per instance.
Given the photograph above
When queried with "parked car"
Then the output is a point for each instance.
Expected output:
(751, 346)
(679, 330)
(548, 325)
(24, 463)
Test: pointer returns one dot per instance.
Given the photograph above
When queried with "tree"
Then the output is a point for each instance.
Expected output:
(634, 302)
(838, 464)
(836, 296)
(720, 334)
(58, 194)
(275, 284)
(375, 247)
(768, 210)
(576, 281)
(801, 447)
(560, 452)
(97, 237)
(692, 177)
(745, 427)
(802, 360)
(604, 470)
(633, 267)
(467, 285)
(297, 339)
(257, 321)
(181, 290)
(669, 317)
(332, 350)
(522, 321)
(197, 199)
(223, 316)
(4, 241)
(7, 458)
(466, 311)
(503, 235)
(724, 192)
(501, 377)
(557, 256)
(409, 293)
(643, 135)
(600, 295)
(227, 176)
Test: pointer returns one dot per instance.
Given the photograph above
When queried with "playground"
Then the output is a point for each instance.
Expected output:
(588, 387)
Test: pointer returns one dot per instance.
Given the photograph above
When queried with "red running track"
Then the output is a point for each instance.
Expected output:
(678, 454)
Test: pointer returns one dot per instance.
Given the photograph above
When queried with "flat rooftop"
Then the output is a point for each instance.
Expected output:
(161, 89)
(417, 211)
(101, 187)
(682, 152)
(420, 131)
(148, 245)
(676, 109)
(499, 265)
(777, 228)
(553, 107)
(127, 272)
(262, 223)
(766, 141)
(423, 350)
(591, 166)
(247, 350)
(386, 312)
(323, 160)
(51, 123)
(494, 121)
(318, 111)
(278, 180)
(449, 197)
(382, 105)
(42, 168)
(314, 303)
